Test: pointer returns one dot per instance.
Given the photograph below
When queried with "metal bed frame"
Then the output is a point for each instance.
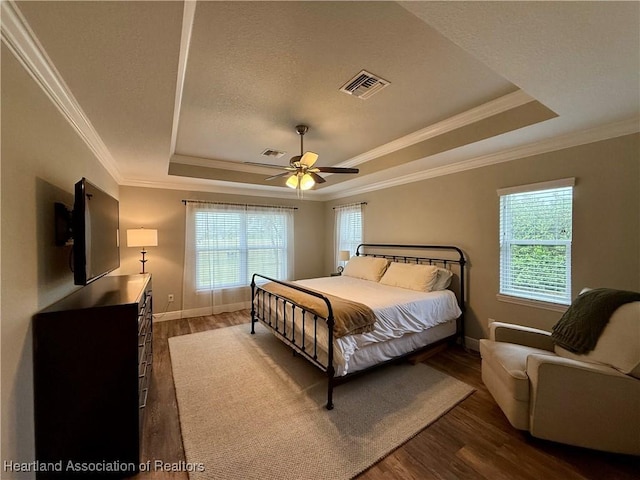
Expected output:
(309, 327)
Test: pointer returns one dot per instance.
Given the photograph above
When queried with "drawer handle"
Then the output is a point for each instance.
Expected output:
(144, 325)
(142, 352)
(144, 372)
(146, 394)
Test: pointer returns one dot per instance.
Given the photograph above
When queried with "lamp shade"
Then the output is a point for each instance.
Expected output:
(344, 255)
(142, 237)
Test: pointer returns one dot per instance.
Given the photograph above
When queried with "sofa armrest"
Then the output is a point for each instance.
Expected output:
(584, 404)
(527, 336)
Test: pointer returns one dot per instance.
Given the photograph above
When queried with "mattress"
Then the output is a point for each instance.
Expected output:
(376, 353)
(402, 317)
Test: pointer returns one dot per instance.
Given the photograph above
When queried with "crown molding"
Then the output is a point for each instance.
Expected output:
(229, 188)
(613, 130)
(617, 129)
(486, 110)
(188, 14)
(221, 164)
(25, 46)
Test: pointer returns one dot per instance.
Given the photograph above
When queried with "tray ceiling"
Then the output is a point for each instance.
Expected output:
(181, 95)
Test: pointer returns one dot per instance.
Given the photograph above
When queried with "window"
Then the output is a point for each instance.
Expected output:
(232, 242)
(348, 229)
(535, 241)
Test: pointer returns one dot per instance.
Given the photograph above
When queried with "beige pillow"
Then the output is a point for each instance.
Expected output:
(619, 342)
(444, 279)
(367, 268)
(411, 276)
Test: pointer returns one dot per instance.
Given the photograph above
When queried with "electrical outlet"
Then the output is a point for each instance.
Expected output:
(170, 297)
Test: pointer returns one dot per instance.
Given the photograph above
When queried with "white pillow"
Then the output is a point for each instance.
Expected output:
(367, 268)
(619, 342)
(411, 276)
(444, 279)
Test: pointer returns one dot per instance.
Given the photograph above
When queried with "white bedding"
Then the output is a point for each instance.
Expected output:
(405, 320)
(398, 310)
(402, 316)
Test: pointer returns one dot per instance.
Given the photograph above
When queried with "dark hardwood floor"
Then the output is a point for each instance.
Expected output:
(473, 441)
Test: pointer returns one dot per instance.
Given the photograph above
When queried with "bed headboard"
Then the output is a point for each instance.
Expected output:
(445, 256)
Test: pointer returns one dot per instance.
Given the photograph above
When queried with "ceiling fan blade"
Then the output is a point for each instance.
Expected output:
(283, 174)
(308, 159)
(337, 170)
(316, 177)
(267, 165)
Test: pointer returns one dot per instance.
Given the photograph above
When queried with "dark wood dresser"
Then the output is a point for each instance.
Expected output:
(92, 363)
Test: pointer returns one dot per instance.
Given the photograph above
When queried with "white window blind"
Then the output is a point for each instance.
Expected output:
(232, 242)
(535, 241)
(348, 228)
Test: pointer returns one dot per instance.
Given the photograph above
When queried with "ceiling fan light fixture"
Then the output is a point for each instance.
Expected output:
(306, 182)
(292, 181)
(303, 174)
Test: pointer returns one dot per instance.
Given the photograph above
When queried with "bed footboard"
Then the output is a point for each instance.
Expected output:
(286, 319)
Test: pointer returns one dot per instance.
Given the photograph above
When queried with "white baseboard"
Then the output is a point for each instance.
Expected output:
(200, 312)
(472, 343)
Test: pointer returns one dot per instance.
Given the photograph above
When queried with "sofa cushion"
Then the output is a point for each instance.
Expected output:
(619, 342)
(516, 411)
(509, 362)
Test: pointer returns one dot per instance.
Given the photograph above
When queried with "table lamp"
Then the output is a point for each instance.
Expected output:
(142, 237)
(343, 256)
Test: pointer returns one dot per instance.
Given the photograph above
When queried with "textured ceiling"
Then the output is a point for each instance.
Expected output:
(120, 61)
(283, 64)
(181, 97)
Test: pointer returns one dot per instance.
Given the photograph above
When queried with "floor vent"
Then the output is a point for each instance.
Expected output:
(269, 152)
(364, 85)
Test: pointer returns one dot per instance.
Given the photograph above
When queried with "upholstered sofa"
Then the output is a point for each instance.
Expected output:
(590, 400)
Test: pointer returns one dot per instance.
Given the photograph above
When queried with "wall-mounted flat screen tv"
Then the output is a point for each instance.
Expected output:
(96, 236)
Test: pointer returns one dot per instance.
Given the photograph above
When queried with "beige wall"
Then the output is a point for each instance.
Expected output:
(163, 210)
(42, 158)
(462, 209)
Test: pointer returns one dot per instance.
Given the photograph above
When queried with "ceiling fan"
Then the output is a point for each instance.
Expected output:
(303, 175)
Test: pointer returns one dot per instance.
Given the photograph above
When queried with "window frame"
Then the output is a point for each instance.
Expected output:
(350, 244)
(507, 291)
(243, 248)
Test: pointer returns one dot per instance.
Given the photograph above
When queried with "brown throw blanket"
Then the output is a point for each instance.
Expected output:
(349, 317)
(581, 325)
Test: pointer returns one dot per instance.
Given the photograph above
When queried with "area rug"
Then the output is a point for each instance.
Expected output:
(249, 409)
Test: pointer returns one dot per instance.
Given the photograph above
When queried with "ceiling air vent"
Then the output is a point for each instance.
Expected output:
(364, 84)
(269, 152)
